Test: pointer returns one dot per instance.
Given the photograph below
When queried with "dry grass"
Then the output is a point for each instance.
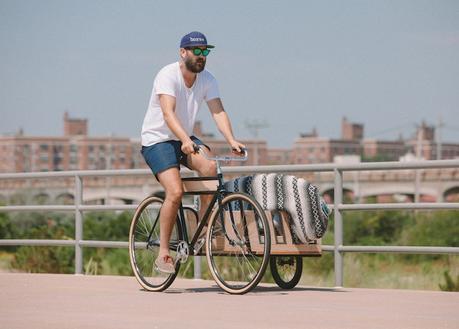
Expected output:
(386, 272)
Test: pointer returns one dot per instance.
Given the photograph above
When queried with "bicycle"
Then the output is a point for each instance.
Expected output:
(238, 238)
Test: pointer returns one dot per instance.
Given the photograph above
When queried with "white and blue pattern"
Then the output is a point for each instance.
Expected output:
(307, 209)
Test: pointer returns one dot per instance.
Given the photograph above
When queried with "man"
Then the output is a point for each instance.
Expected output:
(167, 141)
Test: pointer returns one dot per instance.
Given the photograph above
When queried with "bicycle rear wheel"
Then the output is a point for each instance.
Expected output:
(144, 240)
(286, 270)
(238, 243)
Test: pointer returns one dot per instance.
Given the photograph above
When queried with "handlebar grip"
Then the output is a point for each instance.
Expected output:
(243, 151)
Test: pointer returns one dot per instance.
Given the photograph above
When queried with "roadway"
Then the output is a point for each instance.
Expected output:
(76, 301)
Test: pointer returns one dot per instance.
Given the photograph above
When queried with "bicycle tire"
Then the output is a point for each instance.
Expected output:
(286, 270)
(240, 223)
(144, 245)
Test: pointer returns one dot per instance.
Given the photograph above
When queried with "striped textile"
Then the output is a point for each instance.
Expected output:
(301, 200)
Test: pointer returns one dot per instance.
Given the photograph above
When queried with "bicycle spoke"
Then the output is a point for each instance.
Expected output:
(239, 263)
(144, 245)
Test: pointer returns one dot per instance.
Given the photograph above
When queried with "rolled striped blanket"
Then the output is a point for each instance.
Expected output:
(300, 199)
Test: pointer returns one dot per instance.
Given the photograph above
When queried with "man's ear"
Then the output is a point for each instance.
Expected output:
(182, 53)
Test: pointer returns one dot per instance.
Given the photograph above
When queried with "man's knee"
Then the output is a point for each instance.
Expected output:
(210, 169)
(174, 194)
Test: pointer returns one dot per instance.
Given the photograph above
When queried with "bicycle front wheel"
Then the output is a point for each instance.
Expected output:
(144, 245)
(238, 243)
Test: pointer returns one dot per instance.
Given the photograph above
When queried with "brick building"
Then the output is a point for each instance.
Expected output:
(426, 143)
(73, 151)
(311, 148)
(78, 151)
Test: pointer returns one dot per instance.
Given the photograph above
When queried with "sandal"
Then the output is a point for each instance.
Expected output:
(165, 264)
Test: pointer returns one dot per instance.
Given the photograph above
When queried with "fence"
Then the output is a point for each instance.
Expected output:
(339, 207)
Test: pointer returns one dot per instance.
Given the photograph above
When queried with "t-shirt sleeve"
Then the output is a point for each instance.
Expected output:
(212, 89)
(165, 84)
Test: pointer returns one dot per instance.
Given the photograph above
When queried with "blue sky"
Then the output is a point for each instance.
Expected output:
(295, 65)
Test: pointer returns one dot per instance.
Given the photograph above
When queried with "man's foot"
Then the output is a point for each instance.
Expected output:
(165, 264)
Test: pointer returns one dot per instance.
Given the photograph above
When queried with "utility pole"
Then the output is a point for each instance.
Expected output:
(439, 153)
(438, 137)
(254, 127)
(108, 166)
(419, 144)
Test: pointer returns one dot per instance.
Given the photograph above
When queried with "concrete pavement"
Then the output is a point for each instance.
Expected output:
(74, 301)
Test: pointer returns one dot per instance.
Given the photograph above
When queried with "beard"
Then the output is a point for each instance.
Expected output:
(195, 65)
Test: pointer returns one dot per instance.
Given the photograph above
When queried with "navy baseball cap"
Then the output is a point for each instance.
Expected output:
(194, 39)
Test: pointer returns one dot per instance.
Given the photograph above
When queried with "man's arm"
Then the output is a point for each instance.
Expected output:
(223, 123)
(167, 104)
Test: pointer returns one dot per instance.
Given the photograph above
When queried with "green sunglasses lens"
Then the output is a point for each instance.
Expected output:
(199, 51)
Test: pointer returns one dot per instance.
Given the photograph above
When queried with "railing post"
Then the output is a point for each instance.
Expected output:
(197, 268)
(78, 225)
(338, 232)
(197, 259)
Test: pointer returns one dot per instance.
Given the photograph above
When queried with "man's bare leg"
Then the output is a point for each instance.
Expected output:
(205, 168)
(172, 184)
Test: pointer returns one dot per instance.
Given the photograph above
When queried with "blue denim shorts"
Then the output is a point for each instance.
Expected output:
(165, 155)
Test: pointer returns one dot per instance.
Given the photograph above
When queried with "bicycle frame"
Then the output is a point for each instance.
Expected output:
(218, 195)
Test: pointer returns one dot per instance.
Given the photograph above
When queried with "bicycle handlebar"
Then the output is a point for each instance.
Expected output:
(228, 158)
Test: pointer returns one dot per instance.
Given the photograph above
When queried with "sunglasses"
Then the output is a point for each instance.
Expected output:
(199, 51)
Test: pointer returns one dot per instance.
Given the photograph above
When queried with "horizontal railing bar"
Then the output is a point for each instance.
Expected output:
(63, 243)
(107, 207)
(104, 244)
(401, 249)
(84, 173)
(37, 208)
(327, 248)
(401, 206)
(393, 165)
(345, 207)
(36, 242)
(81, 173)
(41, 208)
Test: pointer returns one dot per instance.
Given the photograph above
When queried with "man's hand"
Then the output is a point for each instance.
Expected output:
(237, 147)
(188, 147)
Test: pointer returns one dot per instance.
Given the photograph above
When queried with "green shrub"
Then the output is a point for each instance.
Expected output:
(39, 259)
(449, 285)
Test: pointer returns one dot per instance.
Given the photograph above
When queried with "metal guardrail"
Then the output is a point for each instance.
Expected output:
(337, 248)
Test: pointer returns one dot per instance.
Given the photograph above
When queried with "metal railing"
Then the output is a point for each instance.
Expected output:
(339, 207)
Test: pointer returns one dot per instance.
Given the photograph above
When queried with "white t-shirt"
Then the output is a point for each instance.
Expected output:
(169, 81)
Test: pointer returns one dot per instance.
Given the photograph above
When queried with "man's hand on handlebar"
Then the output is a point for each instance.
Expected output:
(189, 147)
(237, 148)
(241, 153)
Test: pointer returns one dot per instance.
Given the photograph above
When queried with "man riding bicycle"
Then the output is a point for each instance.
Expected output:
(167, 141)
